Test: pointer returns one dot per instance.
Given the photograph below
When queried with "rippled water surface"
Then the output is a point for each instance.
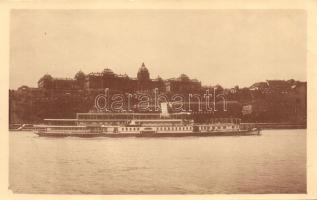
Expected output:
(274, 162)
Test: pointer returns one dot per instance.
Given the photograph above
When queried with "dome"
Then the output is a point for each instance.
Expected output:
(184, 77)
(143, 68)
(108, 72)
(80, 75)
(47, 77)
(143, 73)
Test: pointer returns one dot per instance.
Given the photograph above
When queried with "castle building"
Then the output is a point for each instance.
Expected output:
(108, 79)
(48, 82)
(182, 84)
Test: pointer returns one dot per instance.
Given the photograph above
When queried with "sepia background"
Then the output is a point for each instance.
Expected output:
(226, 47)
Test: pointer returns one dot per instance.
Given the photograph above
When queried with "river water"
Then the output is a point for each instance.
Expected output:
(274, 162)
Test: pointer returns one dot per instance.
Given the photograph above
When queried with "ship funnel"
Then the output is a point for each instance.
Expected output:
(164, 110)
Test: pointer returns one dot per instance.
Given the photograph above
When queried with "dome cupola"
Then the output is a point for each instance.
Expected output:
(184, 77)
(80, 75)
(108, 72)
(143, 73)
(47, 77)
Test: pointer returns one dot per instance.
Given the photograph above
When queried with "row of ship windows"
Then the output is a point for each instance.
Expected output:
(177, 128)
(158, 128)
(214, 127)
(130, 129)
(174, 128)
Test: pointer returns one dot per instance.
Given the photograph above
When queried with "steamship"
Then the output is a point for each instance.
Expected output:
(161, 124)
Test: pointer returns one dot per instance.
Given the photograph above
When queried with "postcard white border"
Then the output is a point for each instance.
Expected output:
(310, 6)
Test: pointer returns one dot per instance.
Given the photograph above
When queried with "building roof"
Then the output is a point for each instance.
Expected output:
(259, 86)
(107, 71)
(278, 84)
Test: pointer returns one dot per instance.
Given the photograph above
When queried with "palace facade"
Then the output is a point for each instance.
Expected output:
(108, 79)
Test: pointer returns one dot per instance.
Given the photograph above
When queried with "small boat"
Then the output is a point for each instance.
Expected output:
(21, 127)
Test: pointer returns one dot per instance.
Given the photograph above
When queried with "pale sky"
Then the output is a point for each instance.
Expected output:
(226, 47)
